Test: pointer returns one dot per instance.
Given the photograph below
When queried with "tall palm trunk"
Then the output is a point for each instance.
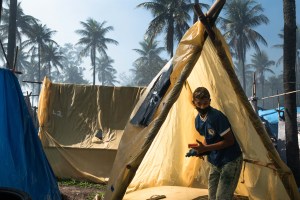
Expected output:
(93, 54)
(49, 70)
(103, 76)
(262, 80)
(170, 35)
(12, 27)
(242, 57)
(289, 59)
(39, 63)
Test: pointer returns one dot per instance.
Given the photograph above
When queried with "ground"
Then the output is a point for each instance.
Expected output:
(77, 192)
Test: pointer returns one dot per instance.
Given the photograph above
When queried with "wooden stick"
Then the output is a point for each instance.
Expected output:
(39, 82)
(203, 20)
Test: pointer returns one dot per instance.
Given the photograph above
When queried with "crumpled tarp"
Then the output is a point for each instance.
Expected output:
(81, 127)
(24, 165)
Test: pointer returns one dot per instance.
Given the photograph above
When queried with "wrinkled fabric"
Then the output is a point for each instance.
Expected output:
(24, 165)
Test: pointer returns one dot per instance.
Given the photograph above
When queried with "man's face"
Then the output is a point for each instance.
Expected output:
(201, 103)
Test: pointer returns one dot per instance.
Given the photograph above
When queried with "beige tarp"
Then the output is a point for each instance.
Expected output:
(153, 156)
(70, 116)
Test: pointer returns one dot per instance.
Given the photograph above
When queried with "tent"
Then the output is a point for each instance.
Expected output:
(81, 126)
(151, 161)
(24, 165)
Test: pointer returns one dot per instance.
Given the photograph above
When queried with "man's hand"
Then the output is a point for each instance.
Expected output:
(201, 148)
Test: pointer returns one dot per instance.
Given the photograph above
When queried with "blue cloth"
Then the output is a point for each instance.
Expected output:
(271, 116)
(24, 165)
(213, 128)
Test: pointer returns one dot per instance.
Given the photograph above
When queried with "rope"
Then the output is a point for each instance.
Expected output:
(281, 94)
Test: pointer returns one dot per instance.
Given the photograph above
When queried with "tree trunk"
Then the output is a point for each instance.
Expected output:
(94, 64)
(39, 63)
(12, 33)
(289, 61)
(195, 18)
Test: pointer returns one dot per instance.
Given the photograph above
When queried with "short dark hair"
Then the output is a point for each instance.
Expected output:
(201, 93)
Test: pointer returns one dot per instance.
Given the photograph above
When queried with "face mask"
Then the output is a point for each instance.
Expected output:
(204, 110)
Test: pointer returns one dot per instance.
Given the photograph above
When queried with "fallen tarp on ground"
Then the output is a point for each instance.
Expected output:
(81, 127)
(154, 155)
(24, 165)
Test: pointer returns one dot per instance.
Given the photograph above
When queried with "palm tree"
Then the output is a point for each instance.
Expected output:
(74, 74)
(242, 16)
(11, 46)
(23, 23)
(280, 35)
(170, 17)
(52, 57)
(22, 64)
(289, 78)
(238, 68)
(39, 37)
(30, 74)
(149, 63)
(106, 72)
(275, 83)
(94, 40)
(261, 65)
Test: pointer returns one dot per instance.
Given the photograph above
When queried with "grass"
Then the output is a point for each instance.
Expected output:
(84, 184)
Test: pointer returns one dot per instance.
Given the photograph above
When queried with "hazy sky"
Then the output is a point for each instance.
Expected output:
(129, 24)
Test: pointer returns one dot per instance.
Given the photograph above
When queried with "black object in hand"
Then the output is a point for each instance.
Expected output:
(193, 152)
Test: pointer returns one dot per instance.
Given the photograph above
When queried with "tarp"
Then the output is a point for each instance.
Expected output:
(24, 165)
(272, 116)
(154, 155)
(81, 127)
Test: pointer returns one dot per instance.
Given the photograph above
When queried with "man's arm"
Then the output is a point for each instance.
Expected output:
(228, 141)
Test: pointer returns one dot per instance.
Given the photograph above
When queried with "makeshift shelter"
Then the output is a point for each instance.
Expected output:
(81, 126)
(24, 165)
(151, 157)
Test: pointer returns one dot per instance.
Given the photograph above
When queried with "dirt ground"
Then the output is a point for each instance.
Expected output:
(81, 193)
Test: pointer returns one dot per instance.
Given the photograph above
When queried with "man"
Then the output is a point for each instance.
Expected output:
(225, 155)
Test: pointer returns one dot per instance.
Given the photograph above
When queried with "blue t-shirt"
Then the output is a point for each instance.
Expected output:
(213, 127)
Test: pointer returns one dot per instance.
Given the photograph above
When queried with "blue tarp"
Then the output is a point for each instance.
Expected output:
(24, 165)
(271, 116)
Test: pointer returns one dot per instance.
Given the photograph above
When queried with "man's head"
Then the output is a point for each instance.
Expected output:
(201, 100)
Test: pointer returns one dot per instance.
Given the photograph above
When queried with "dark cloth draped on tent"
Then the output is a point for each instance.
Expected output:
(24, 165)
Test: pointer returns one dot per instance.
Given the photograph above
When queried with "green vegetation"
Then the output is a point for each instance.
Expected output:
(98, 189)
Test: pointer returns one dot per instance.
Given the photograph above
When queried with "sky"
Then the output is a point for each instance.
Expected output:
(130, 24)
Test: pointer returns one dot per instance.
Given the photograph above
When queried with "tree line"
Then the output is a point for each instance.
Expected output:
(40, 55)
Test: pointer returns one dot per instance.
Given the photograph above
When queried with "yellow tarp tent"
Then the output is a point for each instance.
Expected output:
(151, 160)
(81, 127)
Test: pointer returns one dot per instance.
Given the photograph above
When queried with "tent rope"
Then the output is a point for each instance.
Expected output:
(280, 94)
